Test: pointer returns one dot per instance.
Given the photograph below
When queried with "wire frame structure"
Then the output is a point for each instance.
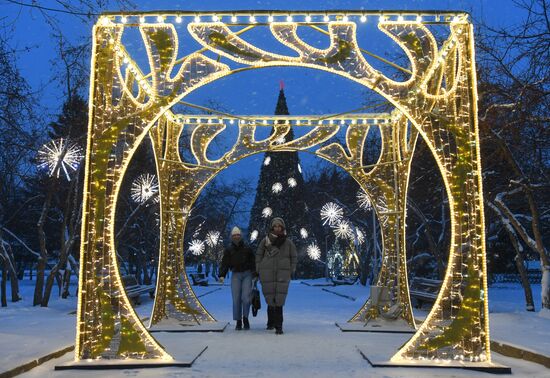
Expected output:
(437, 101)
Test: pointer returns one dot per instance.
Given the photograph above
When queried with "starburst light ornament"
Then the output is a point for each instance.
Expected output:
(331, 213)
(267, 161)
(144, 187)
(363, 200)
(266, 212)
(59, 155)
(303, 233)
(254, 235)
(343, 230)
(277, 188)
(313, 251)
(196, 247)
(212, 238)
(292, 182)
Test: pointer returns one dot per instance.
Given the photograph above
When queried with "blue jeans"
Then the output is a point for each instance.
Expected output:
(241, 288)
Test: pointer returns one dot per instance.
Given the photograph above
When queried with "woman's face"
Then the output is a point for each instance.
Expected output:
(278, 229)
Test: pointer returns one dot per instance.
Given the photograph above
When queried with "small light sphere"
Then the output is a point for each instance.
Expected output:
(160, 19)
(289, 18)
(382, 18)
(215, 18)
(326, 18)
(197, 19)
(123, 19)
(363, 18)
(345, 18)
(266, 212)
(400, 18)
(277, 188)
(178, 19)
(142, 19)
(303, 233)
(254, 235)
(292, 182)
(419, 18)
(308, 18)
(270, 18)
(252, 19)
(267, 160)
(233, 18)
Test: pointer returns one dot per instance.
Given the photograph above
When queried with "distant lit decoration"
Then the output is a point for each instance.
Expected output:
(331, 213)
(196, 247)
(277, 188)
(212, 238)
(267, 160)
(292, 182)
(342, 230)
(363, 200)
(280, 140)
(59, 155)
(313, 251)
(198, 230)
(144, 187)
(254, 235)
(303, 233)
(266, 212)
(360, 236)
(299, 168)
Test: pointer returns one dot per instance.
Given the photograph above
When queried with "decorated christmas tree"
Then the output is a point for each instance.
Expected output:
(281, 193)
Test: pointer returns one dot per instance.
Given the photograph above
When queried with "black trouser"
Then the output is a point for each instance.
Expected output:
(275, 316)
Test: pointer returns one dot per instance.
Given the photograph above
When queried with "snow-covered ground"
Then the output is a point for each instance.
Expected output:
(311, 346)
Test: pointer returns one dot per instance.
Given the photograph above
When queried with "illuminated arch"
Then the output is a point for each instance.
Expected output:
(125, 104)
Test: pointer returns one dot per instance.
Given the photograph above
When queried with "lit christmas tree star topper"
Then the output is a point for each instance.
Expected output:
(59, 155)
(144, 187)
(331, 213)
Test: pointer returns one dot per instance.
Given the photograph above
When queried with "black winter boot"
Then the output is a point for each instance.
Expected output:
(278, 320)
(239, 325)
(246, 324)
(270, 318)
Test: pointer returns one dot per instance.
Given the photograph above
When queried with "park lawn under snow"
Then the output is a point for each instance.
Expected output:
(312, 344)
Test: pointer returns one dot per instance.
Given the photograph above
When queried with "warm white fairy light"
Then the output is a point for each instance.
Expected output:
(142, 20)
(419, 18)
(400, 18)
(292, 182)
(270, 18)
(253, 235)
(266, 212)
(363, 18)
(212, 238)
(289, 18)
(326, 18)
(233, 18)
(277, 188)
(363, 200)
(345, 18)
(342, 230)
(308, 18)
(252, 19)
(215, 18)
(178, 19)
(313, 251)
(144, 187)
(196, 247)
(59, 155)
(331, 213)
(197, 19)
(267, 160)
(303, 233)
(123, 19)
(160, 19)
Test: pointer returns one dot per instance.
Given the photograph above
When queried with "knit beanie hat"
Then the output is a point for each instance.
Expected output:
(278, 221)
(235, 231)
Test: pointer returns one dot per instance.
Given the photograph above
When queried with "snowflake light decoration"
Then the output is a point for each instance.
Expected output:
(331, 213)
(343, 230)
(196, 247)
(313, 251)
(360, 237)
(363, 200)
(303, 233)
(254, 235)
(292, 182)
(277, 188)
(212, 238)
(266, 212)
(144, 187)
(59, 155)
(267, 161)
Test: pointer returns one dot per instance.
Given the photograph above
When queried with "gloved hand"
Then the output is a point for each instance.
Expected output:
(221, 279)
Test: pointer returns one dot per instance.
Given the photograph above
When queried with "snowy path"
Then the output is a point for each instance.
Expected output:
(311, 346)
